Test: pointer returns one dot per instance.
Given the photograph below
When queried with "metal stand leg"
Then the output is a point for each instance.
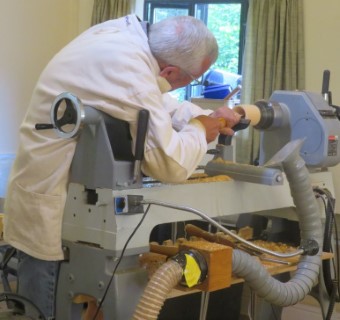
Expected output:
(87, 272)
(204, 305)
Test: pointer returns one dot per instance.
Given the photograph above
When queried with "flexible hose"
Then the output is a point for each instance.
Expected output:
(327, 240)
(245, 265)
(163, 280)
(306, 276)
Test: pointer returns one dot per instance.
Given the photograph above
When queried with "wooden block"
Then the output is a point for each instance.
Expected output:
(246, 233)
(168, 250)
(219, 261)
(91, 307)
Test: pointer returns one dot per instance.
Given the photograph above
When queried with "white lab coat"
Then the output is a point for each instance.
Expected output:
(109, 67)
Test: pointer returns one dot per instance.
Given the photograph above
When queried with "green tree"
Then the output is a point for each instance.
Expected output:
(224, 22)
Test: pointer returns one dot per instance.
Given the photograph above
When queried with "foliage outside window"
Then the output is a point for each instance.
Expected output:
(226, 19)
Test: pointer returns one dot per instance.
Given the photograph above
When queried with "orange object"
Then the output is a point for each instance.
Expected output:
(219, 260)
(223, 122)
(193, 230)
(91, 307)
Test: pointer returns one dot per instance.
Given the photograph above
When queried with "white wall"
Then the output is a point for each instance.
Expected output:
(138, 8)
(84, 14)
(31, 32)
(322, 27)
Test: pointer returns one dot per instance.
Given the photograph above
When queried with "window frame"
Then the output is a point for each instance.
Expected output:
(150, 5)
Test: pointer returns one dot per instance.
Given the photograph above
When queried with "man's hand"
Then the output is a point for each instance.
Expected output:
(211, 125)
(228, 118)
(220, 121)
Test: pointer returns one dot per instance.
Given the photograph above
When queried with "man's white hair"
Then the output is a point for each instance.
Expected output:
(182, 41)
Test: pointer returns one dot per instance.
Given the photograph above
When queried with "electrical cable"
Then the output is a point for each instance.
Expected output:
(328, 242)
(220, 227)
(328, 248)
(318, 196)
(329, 224)
(119, 261)
(331, 284)
(332, 301)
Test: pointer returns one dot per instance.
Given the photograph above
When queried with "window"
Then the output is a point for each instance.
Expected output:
(225, 18)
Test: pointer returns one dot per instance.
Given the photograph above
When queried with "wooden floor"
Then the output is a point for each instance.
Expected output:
(308, 309)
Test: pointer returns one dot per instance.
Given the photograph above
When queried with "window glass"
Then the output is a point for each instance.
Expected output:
(223, 20)
(226, 19)
(162, 13)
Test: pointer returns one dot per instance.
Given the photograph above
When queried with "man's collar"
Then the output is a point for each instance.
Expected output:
(163, 84)
(145, 27)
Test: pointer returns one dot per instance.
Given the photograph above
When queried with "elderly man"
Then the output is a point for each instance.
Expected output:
(119, 67)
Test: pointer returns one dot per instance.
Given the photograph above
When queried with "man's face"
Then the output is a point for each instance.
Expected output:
(179, 78)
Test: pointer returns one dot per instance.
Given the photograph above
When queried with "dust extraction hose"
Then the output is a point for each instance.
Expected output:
(246, 266)
(163, 280)
(306, 276)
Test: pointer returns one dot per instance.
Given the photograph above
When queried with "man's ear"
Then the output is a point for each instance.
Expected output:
(170, 72)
